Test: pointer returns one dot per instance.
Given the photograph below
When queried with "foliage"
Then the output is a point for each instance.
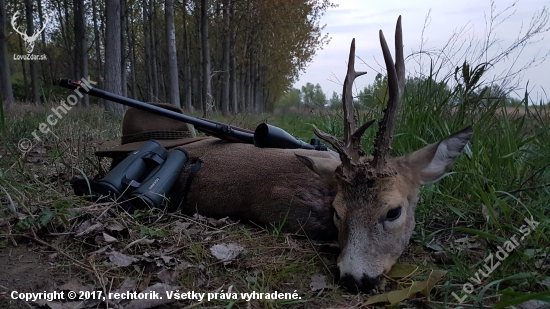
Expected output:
(375, 94)
(312, 95)
(335, 100)
(291, 97)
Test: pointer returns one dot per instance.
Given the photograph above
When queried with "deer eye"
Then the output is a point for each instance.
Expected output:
(393, 214)
(336, 216)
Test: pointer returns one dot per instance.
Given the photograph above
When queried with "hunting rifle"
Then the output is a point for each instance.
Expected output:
(265, 135)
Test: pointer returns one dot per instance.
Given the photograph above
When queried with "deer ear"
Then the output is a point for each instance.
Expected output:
(323, 167)
(431, 162)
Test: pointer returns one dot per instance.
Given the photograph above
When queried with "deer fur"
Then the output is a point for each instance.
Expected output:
(365, 202)
(298, 188)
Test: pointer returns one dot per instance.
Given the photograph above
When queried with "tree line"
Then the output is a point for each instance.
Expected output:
(375, 95)
(226, 55)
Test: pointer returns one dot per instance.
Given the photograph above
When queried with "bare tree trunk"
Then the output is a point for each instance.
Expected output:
(225, 65)
(97, 37)
(132, 49)
(147, 47)
(81, 46)
(123, 60)
(249, 85)
(153, 37)
(113, 54)
(46, 75)
(5, 78)
(232, 64)
(200, 74)
(206, 90)
(133, 65)
(242, 90)
(187, 78)
(173, 81)
(32, 64)
(24, 70)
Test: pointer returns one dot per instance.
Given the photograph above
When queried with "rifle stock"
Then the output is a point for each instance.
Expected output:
(265, 135)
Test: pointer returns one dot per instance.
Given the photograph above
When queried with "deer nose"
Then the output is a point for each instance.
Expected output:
(366, 284)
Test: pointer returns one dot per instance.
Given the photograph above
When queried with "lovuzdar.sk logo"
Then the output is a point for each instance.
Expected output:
(29, 40)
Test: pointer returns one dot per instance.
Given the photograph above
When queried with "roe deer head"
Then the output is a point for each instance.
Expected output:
(376, 196)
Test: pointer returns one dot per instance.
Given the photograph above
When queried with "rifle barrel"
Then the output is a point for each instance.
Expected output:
(222, 131)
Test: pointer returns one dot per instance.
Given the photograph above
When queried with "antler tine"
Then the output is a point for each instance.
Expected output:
(353, 144)
(350, 148)
(36, 33)
(396, 85)
(13, 19)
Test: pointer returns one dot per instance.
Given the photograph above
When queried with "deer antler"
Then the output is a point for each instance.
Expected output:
(13, 19)
(396, 85)
(36, 33)
(350, 148)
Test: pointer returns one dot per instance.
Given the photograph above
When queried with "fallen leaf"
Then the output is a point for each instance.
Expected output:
(167, 276)
(87, 228)
(128, 285)
(219, 222)
(114, 226)
(145, 241)
(318, 282)
(120, 259)
(183, 265)
(226, 252)
(109, 239)
(144, 283)
(179, 225)
(402, 271)
(395, 297)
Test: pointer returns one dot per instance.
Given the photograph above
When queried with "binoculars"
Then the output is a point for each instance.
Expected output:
(142, 180)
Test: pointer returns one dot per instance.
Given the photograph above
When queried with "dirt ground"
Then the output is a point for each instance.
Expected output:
(24, 268)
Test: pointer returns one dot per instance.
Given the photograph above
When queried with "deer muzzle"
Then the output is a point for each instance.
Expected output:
(352, 284)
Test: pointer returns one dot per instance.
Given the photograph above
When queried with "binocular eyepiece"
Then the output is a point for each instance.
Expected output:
(142, 180)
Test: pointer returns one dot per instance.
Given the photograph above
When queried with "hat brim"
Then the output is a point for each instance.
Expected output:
(113, 149)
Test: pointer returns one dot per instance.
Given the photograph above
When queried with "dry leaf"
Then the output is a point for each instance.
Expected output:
(145, 241)
(120, 259)
(109, 239)
(87, 228)
(114, 226)
(402, 271)
(395, 297)
(318, 282)
(167, 276)
(179, 225)
(226, 252)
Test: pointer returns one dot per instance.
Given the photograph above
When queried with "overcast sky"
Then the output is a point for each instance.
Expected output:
(362, 19)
